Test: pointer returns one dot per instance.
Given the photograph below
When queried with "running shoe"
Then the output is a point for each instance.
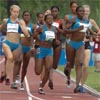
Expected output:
(68, 83)
(7, 81)
(21, 87)
(50, 84)
(14, 86)
(77, 89)
(41, 91)
(82, 89)
(17, 79)
(2, 78)
(66, 72)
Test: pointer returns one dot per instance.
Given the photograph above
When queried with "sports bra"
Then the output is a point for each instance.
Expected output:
(84, 23)
(12, 27)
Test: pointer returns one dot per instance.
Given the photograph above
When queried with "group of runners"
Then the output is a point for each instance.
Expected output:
(45, 40)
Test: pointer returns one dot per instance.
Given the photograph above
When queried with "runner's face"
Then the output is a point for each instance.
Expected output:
(54, 12)
(26, 16)
(47, 12)
(87, 12)
(41, 18)
(80, 12)
(49, 20)
(73, 7)
(15, 12)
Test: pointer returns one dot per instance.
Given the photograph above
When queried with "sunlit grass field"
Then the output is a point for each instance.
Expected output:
(93, 79)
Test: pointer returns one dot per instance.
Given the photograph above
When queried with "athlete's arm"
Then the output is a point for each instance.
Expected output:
(23, 27)
(69, 31)
(38, 31)
(3, 24)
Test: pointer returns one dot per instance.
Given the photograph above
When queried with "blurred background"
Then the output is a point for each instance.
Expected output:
(35, 6)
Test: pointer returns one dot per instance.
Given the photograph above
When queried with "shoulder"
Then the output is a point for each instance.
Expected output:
(5, 20)
(66, 17)
(60, 21)
(92, 21)
(21, 20)
(34, 26)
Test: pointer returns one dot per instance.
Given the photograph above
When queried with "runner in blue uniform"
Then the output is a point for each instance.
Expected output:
(45, 51)
(11, 46)
(26, 44)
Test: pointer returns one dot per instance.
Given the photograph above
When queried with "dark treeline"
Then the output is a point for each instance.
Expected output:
(35, 6)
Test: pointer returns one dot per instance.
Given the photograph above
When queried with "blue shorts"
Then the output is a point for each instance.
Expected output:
(13, 46)
(26, 49)
(44, 52)
(76, 45)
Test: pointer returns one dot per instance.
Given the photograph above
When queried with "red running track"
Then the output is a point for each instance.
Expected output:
(60, 91)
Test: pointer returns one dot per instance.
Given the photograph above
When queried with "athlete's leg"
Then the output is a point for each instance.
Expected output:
(79, 61)
(9, 61)
(26, 59)
(48, 66)
(85, 68)
(70, 54)
(56, 57)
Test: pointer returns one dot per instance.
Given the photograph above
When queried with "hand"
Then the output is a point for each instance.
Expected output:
(17, 20)
(39, 29)
(72, 20)
(33, 51)
(57, 42)
(80, 28)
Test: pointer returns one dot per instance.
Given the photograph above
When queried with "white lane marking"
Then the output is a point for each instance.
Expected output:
(28, 92)
(1, 61)
(7, 92)
(66, 97)
(29, 98)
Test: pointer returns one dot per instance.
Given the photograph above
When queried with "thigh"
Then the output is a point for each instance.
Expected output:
(18, 54)
(7, 51)
(38, 65)
(49, 62)
(56, 56)
(79, 56)
(27, 55)
(26, 59)
(70, 54)
(87, 57)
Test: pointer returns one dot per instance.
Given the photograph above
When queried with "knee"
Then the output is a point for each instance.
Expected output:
(10, 58)
(85, 69)
(69, 65)
(55, 64)
(37, 72)
(80, 64)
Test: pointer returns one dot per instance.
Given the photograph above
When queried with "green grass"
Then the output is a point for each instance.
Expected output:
(93, 79)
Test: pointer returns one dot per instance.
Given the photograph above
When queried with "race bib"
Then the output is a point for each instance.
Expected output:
(96, 46)
(2, 39)
(92, 44)
(50, 35)
(29, 29)
(12, 27)
(55, 24)
(85, 27)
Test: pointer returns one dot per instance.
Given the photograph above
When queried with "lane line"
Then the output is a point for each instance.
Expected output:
(7, 92)
(30, 96)
(1, 61)
(66, 97)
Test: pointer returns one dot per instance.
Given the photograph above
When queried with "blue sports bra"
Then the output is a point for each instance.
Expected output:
(47, 35)
(12, 27)
(84, 23)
